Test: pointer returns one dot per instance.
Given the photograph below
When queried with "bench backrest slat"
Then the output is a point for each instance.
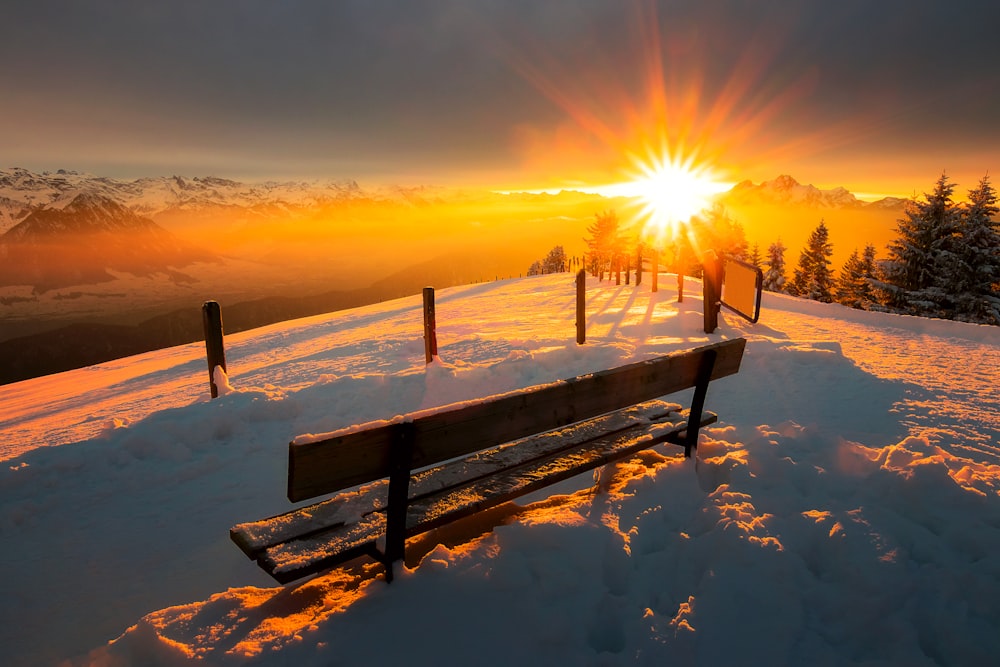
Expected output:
(327, 466)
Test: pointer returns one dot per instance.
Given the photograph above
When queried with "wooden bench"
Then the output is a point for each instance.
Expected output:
(422, 471)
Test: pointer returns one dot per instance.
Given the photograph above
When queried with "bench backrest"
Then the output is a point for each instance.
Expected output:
(327, 466)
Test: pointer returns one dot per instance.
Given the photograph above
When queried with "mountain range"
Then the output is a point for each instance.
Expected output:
(23, 192)
(786, 191)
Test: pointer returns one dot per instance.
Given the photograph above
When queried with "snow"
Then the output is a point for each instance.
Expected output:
(844, 510)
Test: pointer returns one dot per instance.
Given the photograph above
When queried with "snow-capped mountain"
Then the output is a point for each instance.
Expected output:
(84, 239)
(166, 197)
(786, 191)
(23, 191)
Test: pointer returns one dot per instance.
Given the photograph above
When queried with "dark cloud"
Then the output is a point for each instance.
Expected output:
(448, 82)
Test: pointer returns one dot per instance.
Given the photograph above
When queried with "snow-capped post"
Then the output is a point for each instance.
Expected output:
(638, 265)
(712, 295)
(581, 307)
(211, 317)
(430, 326)
(655, 272)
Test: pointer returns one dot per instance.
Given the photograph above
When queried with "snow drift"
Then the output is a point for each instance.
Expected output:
(845, 510)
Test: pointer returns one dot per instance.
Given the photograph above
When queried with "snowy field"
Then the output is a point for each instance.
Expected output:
(844, 511)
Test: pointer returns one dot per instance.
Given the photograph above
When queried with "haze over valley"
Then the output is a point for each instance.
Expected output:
(145, 254)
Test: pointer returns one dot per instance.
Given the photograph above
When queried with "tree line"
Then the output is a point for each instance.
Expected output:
(944, 261)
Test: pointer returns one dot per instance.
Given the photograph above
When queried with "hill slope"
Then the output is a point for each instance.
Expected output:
(845, 509)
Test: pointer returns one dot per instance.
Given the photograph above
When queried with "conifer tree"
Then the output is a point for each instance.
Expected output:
(754, 257)
(774, 277)
(924, 258)
(813, 278)
(977, 285)
(713, 229)
(555, 261)
(799, 284)
(605, 241)
(854, 287)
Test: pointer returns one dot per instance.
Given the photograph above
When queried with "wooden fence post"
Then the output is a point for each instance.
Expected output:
(581, 307)
(680, 285)
(211, 317)
(655, 273)
(628, 267)
(430, 325)
(712, 281)
(638, 265)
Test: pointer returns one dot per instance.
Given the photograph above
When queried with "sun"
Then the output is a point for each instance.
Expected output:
(673, 190)
(669, 191)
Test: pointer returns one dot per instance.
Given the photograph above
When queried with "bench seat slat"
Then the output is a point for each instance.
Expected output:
(326, 466)
(321, 550)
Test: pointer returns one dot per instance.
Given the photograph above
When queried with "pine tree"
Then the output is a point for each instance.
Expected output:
(813, 278)
(977, 287)
(774, 278)
(799, 284)
(605, 241)
(854, 287)
(712, 229)
(869, 269)
(754, 257)
(923, 260)
(555, 261)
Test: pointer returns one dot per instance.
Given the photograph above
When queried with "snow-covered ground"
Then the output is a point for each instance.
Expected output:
(845, 509)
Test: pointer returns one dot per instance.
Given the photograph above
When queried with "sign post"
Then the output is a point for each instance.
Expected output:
(734, 284)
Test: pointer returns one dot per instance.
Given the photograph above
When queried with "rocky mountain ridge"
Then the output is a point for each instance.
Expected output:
(23, 191)
(786, 191)
(86, 238)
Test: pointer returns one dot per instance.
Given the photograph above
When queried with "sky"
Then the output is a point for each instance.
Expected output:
(876, 96)
(845, 509)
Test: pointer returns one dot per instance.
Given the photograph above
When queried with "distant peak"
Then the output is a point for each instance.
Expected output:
(783, 182)
(90, 199)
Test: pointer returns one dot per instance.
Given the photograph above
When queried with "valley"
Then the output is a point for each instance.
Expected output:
(96, 269)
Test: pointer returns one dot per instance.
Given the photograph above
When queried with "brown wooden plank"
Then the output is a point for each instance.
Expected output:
(328, 466)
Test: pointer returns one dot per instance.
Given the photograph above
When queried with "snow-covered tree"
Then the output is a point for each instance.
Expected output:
(977, 285)
(813, 278)
(554, 262)
(854, 287)
(774, 277)
(924, 260)
(754, 257)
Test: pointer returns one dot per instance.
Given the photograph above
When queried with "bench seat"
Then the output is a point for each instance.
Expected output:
(316, 537)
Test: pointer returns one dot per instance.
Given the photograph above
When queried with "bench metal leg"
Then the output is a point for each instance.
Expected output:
(399, 483)
(698, 402)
